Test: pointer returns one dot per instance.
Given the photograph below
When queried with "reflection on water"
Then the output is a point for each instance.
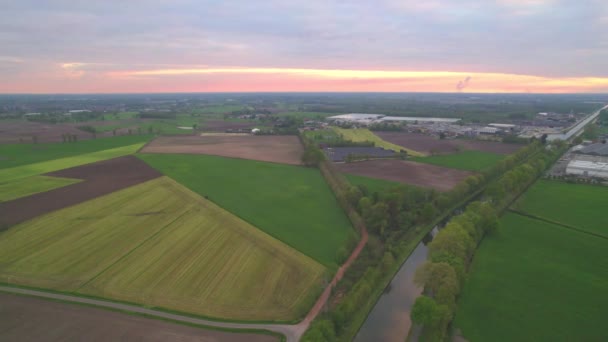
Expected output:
(390, 318)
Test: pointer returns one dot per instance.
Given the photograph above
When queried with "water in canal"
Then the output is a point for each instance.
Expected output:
(389, 320)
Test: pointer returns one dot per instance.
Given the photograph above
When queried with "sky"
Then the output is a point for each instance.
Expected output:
(137, 46)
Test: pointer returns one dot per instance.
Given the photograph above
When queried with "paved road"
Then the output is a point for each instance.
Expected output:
(291, 332)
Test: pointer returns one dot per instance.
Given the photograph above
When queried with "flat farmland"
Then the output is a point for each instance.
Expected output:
(291, 203)
(577, 205)
(12, 155)
(372, 184)
(433, 145)
(34, 169)
(14, 132)
(270, 148)
(536, 281)
(466, 160)
(98, 179)
(407, 172)
(31, 185)
(161, 245)
(362, 134)
(54, 321)
(222, 125)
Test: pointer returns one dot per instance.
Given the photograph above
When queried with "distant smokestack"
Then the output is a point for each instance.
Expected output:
(463, 84)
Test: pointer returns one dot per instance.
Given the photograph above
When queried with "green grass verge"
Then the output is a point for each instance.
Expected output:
(466, 160)
(362, 134)
(161, 245)
(12, 155)
(534, 281)
(31, 185)
(372, 184)
(64, 163)
(291, 203)
(577, 205)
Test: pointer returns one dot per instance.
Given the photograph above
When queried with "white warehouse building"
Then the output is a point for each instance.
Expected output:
(588, 168)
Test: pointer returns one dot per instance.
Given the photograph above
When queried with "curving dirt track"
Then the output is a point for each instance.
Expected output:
(408, 172)
(100, 178)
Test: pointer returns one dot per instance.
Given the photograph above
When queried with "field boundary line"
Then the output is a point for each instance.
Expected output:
(563, 225)
(131, 251)
(283, 330)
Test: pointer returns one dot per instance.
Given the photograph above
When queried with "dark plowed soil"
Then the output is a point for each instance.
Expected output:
(99, 179)
(33, 319)
(423, 175)
(433, 145)
(222, 126)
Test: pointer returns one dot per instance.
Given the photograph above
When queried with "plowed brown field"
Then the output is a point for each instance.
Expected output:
(271, 148)
(99, 179)
(432, 145)
(423, 175)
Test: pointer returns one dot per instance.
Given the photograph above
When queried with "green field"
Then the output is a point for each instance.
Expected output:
(31, 185)
(362, 134)
(12, 155)
(535, 281)
(291, 203)
(466, 160)
(120, 116)
(578, 205)
(29, 170)
(306, 115)
(372, 184)
(159, 244)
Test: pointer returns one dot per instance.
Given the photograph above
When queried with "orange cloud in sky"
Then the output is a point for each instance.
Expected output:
(77, 78)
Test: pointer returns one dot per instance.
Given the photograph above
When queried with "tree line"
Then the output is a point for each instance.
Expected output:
(393, 218)
(451, 251)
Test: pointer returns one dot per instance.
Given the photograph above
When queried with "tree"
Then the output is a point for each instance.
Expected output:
(438, 277)
(312, 156)
(425, 311)
(453, 239)
(427, 213)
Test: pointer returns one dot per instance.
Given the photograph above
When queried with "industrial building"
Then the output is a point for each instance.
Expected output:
(587, 168)
(367, 119)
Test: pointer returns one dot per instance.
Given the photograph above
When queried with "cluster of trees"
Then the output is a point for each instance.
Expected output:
(387, 127)
(451, 251)
(443, 274)
(392, 218)
(69, 138)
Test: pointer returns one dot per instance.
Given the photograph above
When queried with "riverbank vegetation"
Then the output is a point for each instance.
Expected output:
(397, 219)
(452, 249)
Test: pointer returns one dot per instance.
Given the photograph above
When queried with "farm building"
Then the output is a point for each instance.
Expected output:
(595, 150)
(587, 168)
(340, 154)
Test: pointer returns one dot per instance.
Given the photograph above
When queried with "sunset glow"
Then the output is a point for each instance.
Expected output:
(390, 46)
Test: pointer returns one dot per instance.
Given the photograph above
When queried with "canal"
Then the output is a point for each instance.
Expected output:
(389, 320)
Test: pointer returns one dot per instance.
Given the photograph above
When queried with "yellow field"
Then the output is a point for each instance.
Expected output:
(363, 134)
(159, 244)
(31, 185)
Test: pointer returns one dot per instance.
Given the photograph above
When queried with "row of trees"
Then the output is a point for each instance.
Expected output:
(393, 217)
(451, 251)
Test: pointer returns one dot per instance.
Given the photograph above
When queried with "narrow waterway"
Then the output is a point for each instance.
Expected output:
(389, 320)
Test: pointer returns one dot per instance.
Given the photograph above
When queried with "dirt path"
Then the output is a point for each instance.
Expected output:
(292, 332)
